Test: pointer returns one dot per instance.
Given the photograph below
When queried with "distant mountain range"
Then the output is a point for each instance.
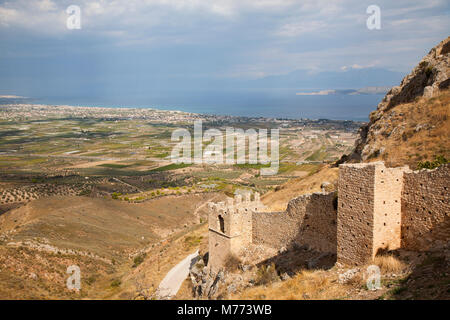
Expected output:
(366, 90)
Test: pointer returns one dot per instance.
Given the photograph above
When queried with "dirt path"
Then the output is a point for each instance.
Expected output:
(171, 283)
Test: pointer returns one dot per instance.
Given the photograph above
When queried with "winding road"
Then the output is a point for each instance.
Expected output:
(171, 283)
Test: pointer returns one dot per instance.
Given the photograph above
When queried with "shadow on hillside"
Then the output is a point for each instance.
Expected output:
(428, 280)
(430, 277)
(301, 258)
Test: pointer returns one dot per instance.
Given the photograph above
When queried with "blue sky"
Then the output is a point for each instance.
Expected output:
(160, 47)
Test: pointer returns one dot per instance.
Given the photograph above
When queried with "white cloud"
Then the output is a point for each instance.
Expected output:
(302, 27)
(46, 5)
(7, 16)
(40, 16)
(264, 36)
(357, 66)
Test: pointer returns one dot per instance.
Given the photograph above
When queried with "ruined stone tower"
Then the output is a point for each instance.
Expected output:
(369, 210)
(230, 227)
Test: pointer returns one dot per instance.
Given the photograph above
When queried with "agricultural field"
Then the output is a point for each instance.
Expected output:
(135, 148)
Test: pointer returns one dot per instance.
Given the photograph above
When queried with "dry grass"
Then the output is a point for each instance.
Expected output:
(278, 200)
(414, 132)
(114, 231)
(186, 291)
(318, 285)
(158, 262)
(389, 264)
(266, 274)
(232, 263)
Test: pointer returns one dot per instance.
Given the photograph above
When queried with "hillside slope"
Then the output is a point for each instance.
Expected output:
(278, 199)
(39, 240)
(411, 123)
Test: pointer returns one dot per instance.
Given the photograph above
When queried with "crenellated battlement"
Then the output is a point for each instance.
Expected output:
(230, 225)
(238, 204)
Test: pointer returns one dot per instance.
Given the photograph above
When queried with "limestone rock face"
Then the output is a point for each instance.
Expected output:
(429, 77)
(205, 283)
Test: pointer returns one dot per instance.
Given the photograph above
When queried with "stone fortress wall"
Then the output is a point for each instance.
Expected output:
(308, 220)
(375, 209)
(425, 208)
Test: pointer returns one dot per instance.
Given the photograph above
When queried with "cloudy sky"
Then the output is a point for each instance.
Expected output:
(138, 46)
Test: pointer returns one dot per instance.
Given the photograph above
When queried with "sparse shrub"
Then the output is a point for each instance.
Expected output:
(429, 71)
(116, 283)
(439, 160)
(266, 274)
(192, 241)
(115, 195)
(138, 260)
(398, 290)
(232, 263)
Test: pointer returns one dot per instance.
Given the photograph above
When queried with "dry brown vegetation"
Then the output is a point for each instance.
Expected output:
(157, 263)
(414, 132)
(116, 244)
(305, 285)
(277, 200)
(389, 264)
(266, 274)
(30, 274)
(410, 275)
(232, 263)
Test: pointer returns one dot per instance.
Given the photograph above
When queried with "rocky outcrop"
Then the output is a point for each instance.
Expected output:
(204, 282)
(427, 79)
